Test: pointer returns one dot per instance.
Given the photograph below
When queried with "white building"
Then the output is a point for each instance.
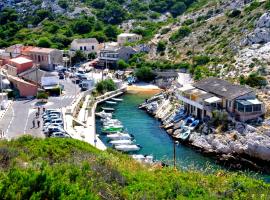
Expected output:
(87, 45)
(127, 37)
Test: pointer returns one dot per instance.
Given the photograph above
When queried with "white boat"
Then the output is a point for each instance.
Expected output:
(109, 120)
(127, 147)
(117, 99)
(107, 109)
(103, 114)
(119, 136)
(120, 142)
(143, 158)
(111, 102)
(112, 124)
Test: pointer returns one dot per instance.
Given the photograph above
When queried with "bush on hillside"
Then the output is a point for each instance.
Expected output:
(253, 80)
(182, 32)
(234, 13)
(161, 46)
(57, 168)
(145, 74)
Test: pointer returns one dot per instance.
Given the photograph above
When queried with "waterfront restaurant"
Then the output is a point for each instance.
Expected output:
(205, 96)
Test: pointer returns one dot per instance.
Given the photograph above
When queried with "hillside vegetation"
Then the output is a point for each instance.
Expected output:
(55, 23)
(70, 169)
(215, 30)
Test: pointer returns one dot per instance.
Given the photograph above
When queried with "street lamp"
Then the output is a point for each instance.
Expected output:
(174, 153)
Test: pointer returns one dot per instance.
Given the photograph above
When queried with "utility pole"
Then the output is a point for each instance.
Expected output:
(174, 153)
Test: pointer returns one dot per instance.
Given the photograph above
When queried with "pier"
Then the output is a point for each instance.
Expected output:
(79, 118)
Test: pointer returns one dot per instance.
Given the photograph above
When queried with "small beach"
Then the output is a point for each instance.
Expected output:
(143, 88)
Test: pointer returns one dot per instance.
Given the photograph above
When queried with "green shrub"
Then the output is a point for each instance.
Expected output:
(254, 80)
(42, 95)
(145, 74)
(161, 46)
(105, 86)
(182, 32)
(234, 13)
(188, 22)
(253, 5)
(121, 64)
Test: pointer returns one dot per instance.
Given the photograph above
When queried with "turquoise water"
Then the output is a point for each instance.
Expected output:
(151, 137)
(155, 140)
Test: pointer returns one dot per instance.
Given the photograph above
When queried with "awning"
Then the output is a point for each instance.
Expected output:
(213, 100)
(254, 101)
(49, 87)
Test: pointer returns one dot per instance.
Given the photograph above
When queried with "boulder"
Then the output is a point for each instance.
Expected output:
(221, 147)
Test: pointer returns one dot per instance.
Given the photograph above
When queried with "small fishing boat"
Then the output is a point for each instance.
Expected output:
(128, 147)
(117, 99)
(189, 121)
(194, 124)
(120, 142)
(111, 121)
(103, 114)
(111, 102)
(120, 136)
(107, 109)
(184, 134)
(112, 129)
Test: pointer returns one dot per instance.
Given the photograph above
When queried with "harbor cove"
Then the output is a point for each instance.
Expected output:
(155, 141)
(148, 133)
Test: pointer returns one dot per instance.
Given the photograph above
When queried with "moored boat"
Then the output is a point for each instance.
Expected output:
(121, 142)
(107, 109)
(112, 129)
(117, 99)
(111, 102)
(128, 147)
(120, 136)
(103, 114)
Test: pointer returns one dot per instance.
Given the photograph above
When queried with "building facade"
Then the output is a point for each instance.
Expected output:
(46, 58)
(110, 56)
(127, 37)
(208, 95)
(88, 45)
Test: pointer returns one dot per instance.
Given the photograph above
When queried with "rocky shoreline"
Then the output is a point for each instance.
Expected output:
(242, 146)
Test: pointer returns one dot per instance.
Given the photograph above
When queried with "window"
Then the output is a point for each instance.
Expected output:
(230, 104)
(93, 47)
(81, 48)
(248, 108)
(85, 48)
(257, 108)
(240, 107)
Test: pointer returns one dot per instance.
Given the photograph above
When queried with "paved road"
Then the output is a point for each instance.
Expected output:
(18, 120)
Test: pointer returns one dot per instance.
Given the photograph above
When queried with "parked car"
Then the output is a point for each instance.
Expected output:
(60, 135)
(52, 129)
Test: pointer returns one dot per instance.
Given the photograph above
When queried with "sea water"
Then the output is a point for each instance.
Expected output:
(153, 139)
